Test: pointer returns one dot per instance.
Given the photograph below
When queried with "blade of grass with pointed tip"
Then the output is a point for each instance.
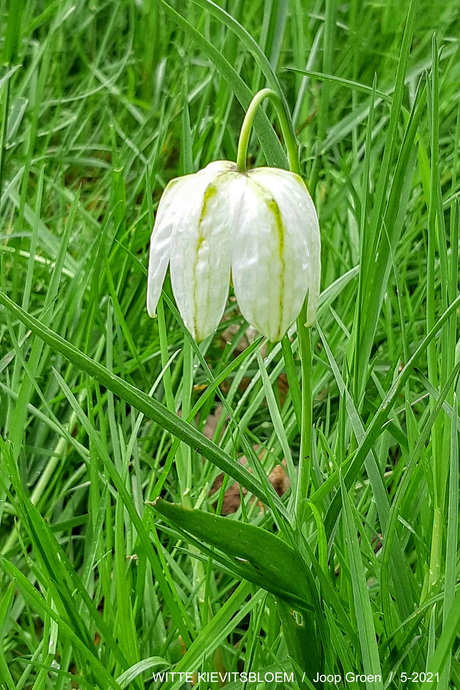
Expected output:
(356, 86)
(258, 555)
(134, 671)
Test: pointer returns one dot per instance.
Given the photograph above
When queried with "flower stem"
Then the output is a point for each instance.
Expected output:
(286, 128)
(303, 332)
(306, 422)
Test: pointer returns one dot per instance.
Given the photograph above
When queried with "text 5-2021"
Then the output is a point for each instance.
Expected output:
(417, 677)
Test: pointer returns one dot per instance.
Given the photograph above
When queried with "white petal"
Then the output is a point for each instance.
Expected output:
(172, 210)
(168, 214)
(201, 250)
(301, 226)
(270, 265)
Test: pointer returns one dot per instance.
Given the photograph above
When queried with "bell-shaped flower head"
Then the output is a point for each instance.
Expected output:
(261, 225)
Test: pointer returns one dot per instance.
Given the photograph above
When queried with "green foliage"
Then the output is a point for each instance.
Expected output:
(102, 410)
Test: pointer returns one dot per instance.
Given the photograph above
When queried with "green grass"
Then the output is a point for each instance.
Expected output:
(102, 581)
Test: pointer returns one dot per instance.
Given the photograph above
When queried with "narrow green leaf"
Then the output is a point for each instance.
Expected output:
(445, 643)
(277, 422)
(362, 604)
(134, 671)
(13, 30)
(348, 83)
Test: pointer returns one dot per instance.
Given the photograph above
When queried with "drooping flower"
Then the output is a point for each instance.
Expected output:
(258, 227)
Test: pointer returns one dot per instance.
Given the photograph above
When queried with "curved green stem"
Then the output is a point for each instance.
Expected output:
(303, 332)
(286, 128)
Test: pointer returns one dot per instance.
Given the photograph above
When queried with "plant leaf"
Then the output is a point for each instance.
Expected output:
(255, 554)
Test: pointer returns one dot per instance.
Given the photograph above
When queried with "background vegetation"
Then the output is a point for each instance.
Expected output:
(102, 103)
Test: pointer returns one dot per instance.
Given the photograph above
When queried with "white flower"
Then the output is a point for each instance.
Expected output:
(260, 227)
